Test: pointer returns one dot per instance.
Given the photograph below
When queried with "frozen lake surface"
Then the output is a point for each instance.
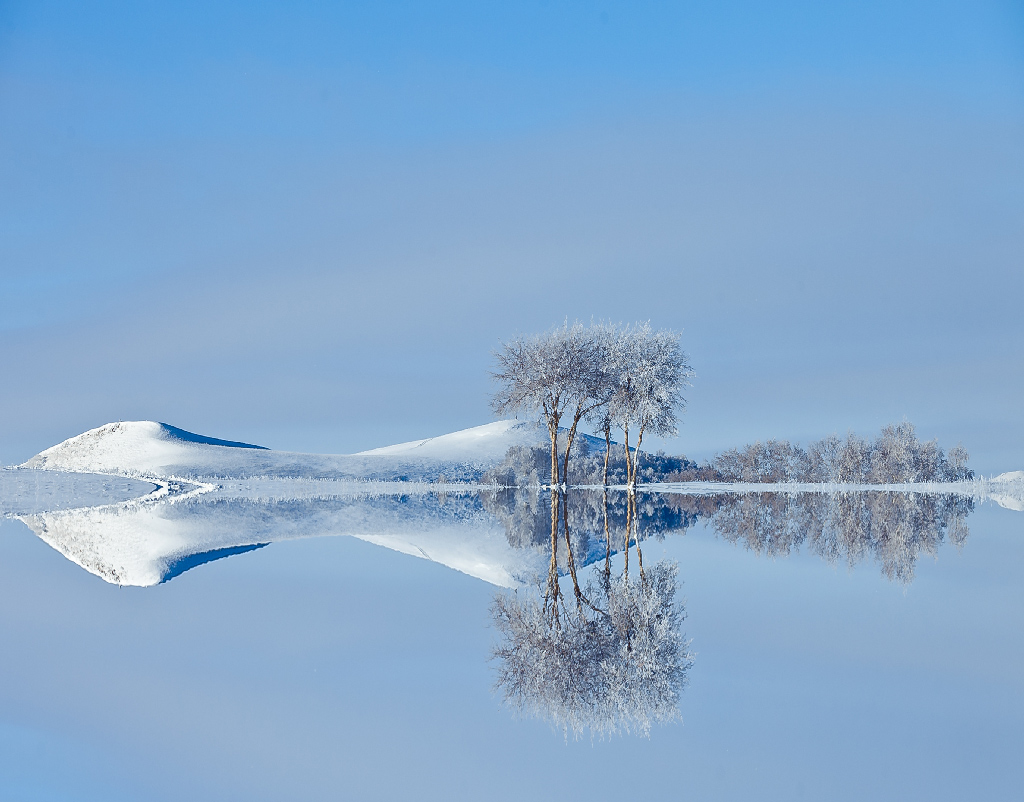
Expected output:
(848, 645)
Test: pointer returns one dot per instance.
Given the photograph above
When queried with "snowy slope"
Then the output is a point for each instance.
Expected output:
(1007, 490)
(488, 442)
(149, 449)
(132, 447)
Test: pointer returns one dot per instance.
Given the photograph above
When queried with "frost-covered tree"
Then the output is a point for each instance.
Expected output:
(558, 374)
(648, 371)
(771, 461)
(956, 469)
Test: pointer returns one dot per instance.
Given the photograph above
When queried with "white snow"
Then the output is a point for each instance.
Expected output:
(148, 449)
(216, 495)
(1007, 490)
(140, 446)
(488, 442)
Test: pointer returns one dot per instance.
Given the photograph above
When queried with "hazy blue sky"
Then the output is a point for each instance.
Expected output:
(306, 225)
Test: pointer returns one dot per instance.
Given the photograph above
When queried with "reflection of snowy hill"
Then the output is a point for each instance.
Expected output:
(144, 543)
(23, 491)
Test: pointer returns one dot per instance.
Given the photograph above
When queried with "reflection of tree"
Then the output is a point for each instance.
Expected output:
(893, 528)
(617, 667)
(615, 660)
(525, 513)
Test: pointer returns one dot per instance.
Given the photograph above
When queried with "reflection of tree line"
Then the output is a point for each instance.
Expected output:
(892, 528)
(522, 502)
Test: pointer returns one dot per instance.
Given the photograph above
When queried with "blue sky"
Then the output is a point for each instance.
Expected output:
(306, 225)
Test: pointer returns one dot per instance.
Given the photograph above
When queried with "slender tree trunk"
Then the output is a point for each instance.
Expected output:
(553, 568)
(568, 447)
(636, 537)
(607, 449)
(636, 456)
(607, 537)
(607, 534)
(580, 412)
(553, 417)
(629, 462)
(570, 560)
(629, 511)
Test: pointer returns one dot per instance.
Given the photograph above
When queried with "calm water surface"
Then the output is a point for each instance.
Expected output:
(332, 667)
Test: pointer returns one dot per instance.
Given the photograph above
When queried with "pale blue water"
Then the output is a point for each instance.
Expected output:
(330, 668)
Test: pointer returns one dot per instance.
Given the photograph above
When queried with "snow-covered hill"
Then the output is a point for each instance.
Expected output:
(131, 447)
(150, 449)
(489, 442)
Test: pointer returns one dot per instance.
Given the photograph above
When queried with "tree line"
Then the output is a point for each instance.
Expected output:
(895, 456)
